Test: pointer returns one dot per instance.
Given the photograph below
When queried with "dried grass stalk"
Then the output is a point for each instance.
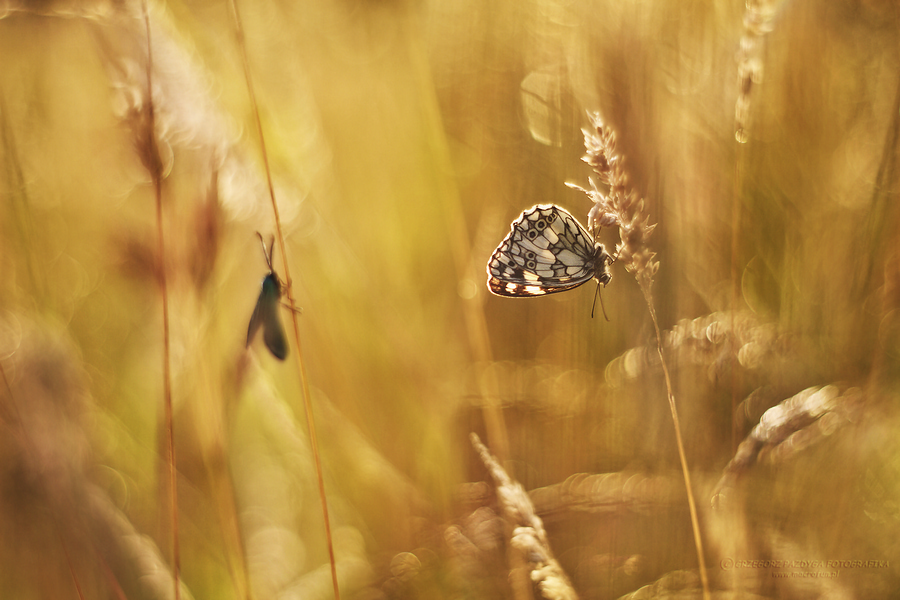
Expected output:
(622, 207)
(289, 293)
(609, 492)
(718, 341)
(757, 24)
(528, 535)
(791, 426)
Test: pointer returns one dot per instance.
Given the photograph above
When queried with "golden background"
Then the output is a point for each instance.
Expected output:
(403, 138)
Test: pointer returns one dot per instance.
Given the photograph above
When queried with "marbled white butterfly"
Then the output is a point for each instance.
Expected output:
(546, 251)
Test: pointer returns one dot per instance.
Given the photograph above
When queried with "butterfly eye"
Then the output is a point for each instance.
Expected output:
(532, 233)
(550, 218)
(540, 225)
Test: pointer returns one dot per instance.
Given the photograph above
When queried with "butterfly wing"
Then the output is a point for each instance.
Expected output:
(547, 251)
(266, 315)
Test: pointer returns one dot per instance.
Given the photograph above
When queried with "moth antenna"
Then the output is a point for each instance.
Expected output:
(267, 253)
(262, 243)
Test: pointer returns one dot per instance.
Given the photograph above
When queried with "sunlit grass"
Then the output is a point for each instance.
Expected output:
(403, 139)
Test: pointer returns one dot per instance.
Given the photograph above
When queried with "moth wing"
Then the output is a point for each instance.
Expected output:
(265, 315)
(256, 320)
(273, 333)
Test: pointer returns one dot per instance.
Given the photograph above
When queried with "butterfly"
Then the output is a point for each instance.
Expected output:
(546, 251)
(265, 314)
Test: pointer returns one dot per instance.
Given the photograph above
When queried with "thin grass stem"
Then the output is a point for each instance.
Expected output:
(623, 206)
(736, 281)
(692, 505)
(301, 367)
(154, 165)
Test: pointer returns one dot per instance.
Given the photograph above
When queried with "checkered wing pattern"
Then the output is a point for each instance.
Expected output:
(546, 251)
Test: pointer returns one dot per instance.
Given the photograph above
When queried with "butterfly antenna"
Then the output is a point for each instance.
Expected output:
(597, 294)
(602, 306)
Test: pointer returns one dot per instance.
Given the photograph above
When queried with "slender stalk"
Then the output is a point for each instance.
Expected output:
(623, 207)
(155, 167)
(301, 367)
(735, 285)
(692, 506)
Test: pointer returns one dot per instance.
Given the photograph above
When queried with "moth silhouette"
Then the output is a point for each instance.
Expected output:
(265, 314)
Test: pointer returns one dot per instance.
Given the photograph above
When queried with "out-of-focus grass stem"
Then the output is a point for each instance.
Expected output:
(462, 252)
(154, 165)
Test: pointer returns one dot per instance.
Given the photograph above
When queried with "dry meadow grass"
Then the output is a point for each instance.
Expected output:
(470, 446)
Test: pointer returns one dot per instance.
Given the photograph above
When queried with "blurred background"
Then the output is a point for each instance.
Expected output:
(404, 138)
